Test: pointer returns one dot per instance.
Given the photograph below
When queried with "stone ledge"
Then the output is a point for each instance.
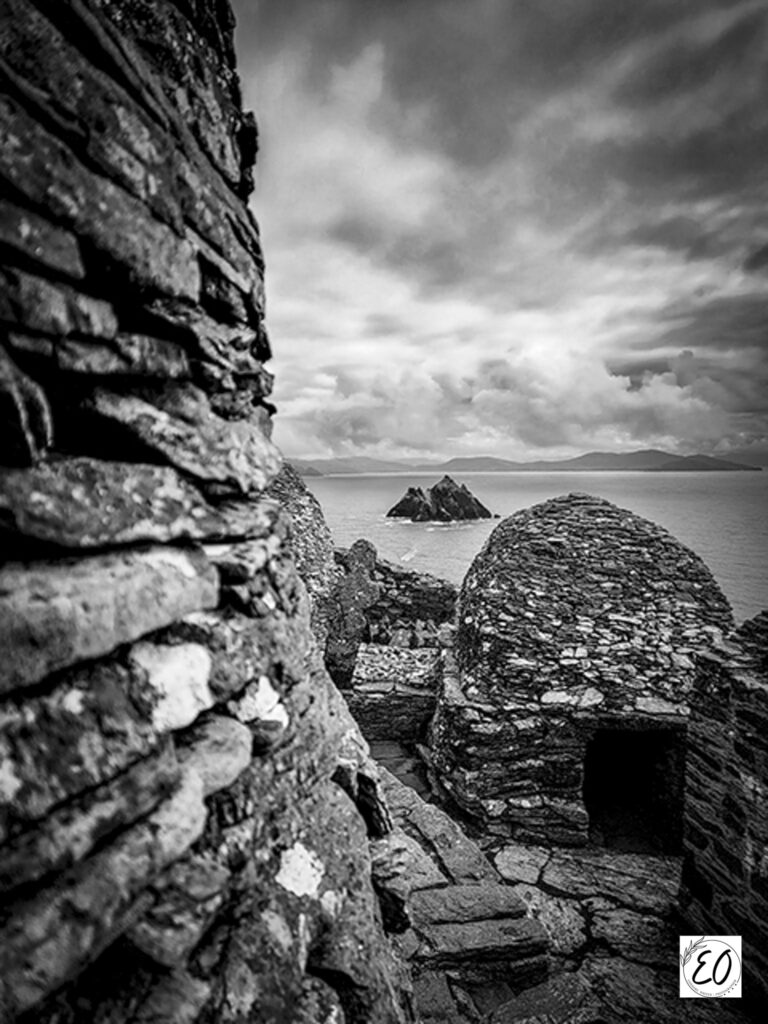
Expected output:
(56, 934)
(55, 614)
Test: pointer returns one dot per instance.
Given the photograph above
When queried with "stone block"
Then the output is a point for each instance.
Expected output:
(84, 503)
(180, 426)
(100, 719)
(561, 918)
(218, 749)
(522, 863)
(637, 937)
(244, 649)
(458, 855)
(480, 941)
(641, 883)
(54, 935)
(25, 415)
(178, 677)
(461, 903)
(125, 355)
(102, 213)
(37, 304)
(53, 614)
(37, 239)
(69, 832)
(185, 899)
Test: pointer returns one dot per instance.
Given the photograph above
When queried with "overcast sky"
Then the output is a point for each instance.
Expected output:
(527, 228)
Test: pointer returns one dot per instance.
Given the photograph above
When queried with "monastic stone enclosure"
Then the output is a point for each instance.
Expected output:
(563, 710)
(725, 869)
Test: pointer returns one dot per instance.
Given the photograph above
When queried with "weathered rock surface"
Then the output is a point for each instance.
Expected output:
(67, 834)
(576, 617)
(92, 503)
(26, 414)
(355, 592)
(178, 425)
(53, 614)
(311, 544)
(53, 935)
(445, 502)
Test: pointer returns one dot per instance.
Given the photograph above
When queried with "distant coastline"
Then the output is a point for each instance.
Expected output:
(649, 460)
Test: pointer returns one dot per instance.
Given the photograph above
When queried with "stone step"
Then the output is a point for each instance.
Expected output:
(466, 903)
(501, 940)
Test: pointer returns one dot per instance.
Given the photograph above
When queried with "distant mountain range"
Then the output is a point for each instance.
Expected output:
(649, 460)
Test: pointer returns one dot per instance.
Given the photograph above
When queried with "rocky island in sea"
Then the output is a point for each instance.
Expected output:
(445, 502)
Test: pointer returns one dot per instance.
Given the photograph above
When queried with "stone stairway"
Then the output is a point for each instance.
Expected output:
(471, 942)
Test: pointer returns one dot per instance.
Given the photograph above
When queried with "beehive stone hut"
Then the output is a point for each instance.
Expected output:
(187, 814)
(563, 712)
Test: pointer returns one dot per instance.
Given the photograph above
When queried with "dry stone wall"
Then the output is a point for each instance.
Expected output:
(378, 603)
(575, 616)
(725, 869)
(186, 806)
(311, 545)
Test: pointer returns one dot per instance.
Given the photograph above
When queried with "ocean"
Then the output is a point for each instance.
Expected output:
(723, 517)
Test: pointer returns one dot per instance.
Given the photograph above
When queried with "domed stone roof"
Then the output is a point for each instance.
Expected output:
(577, 619)
(575, 600)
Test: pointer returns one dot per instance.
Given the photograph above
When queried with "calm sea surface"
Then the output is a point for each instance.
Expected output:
(721, 516)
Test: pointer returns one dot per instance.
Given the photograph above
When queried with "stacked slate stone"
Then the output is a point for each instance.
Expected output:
(575, 614)
(412, 608)
(173, 845)
(387, 627)
(725, 869)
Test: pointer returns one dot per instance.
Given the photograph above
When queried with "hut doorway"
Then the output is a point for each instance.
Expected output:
(633, 789)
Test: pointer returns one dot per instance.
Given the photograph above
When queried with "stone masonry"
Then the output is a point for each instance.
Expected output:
(576, 620)
(725, 869)
(186, 806)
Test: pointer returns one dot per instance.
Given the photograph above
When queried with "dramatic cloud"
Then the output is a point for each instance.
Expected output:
(521, 229)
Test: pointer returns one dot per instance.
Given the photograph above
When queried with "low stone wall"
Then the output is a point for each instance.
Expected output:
(185, 803)
(394, 692)
(725, 871)
(411, 607)
(376, 602)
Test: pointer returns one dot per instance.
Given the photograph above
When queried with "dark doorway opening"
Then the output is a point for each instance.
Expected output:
(633, 789)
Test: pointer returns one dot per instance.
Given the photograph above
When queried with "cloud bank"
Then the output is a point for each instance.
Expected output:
(525, 229)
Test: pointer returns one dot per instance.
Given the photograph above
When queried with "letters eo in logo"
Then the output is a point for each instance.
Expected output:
(710, 966)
